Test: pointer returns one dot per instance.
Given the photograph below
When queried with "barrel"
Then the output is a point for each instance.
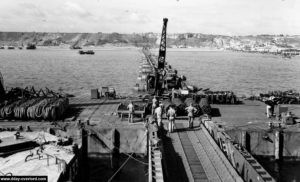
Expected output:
(220, 98)
(233, 99)
(228, 98)
(205, 106)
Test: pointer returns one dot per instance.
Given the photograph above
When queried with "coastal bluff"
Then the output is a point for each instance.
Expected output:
(176, 40)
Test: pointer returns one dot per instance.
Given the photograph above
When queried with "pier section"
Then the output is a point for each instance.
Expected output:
(117, 149)
(192, 155)
(248, 125)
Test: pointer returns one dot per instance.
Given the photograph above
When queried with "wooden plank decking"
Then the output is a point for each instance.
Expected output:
(101, 112)
(195, 156)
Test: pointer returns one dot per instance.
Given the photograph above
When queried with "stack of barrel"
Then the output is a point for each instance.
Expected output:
(219, 97)
(282, 97)
(35, 107)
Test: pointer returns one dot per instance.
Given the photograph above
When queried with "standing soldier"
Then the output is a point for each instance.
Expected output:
(269, 107)
(171, 116)
(158, 113)
(191, 110)
(131, 110)
(154, 104)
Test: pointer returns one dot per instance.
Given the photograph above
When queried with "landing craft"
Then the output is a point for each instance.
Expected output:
(31, 46)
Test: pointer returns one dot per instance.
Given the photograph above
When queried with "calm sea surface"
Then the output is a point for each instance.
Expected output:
(244, 73)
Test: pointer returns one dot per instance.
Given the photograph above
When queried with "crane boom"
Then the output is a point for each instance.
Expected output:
(2, 91)
(163, 46)
(161, 59)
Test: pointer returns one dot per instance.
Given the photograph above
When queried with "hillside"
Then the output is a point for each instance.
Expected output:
(145, 39)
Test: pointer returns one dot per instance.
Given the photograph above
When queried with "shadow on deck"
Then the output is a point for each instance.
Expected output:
(174, 169)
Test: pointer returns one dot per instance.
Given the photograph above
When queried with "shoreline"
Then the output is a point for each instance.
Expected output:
(107, 48)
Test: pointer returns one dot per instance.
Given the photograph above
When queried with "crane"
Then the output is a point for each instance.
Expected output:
(2, 91)
(163, 46)
(161, 59)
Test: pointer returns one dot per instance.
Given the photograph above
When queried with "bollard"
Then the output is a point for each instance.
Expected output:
(28, 129)
(17, 135)
(20, 128)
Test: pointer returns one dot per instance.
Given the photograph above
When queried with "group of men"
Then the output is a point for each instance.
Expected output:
(157, 111)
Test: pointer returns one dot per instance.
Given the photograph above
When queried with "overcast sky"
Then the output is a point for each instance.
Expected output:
(230, 17)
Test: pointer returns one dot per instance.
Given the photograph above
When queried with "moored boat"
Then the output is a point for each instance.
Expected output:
(31, 46)
(90, 52)
(86, 52)
(81, 52)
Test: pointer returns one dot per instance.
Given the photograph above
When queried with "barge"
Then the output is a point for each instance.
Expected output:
(86, 52)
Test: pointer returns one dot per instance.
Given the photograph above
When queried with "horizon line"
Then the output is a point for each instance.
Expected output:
(236, 35)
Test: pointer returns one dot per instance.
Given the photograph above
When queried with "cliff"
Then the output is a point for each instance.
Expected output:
(145, 39)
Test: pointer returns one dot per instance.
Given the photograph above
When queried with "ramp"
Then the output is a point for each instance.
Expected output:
(196, 157)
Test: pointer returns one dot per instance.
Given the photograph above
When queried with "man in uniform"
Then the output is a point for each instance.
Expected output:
(131, 110)
(191, 110)
(171, 116)
(154, 104)
(158, 113)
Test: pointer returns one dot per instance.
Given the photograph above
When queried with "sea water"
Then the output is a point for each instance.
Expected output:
(63, 69)
(66, 70)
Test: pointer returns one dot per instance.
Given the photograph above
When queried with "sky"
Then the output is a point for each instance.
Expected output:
(226, 17)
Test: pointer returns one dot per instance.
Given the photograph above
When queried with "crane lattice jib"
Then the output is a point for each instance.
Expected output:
(1, 81)
(163, 45)
(2, 91)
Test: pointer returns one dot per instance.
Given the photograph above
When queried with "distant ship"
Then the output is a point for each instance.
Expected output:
(86, 52)
(31, 46)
